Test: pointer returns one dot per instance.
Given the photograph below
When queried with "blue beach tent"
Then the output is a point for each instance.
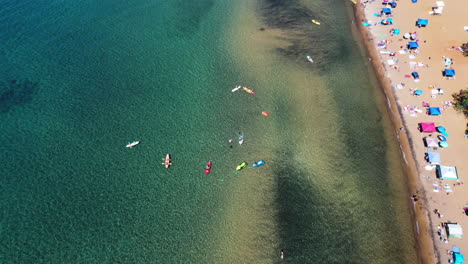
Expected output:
(434, 111)
(396, 31)
(415, 75)
(458, 258)
(393, 4)
(422, 22)
(387, 11)
(413, 45)
(433, 157)
(449, 72)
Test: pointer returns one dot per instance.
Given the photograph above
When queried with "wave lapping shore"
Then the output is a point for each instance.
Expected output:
(411, 59)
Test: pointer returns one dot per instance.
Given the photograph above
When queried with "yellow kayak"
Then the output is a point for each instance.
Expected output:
(315, 22)
(250, 91)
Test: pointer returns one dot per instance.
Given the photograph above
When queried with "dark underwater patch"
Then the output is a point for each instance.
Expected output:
(14, 93)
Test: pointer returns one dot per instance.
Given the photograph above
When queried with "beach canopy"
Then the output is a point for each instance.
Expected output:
(447, 172)
(422, 22)
(454, 230)
(433, 157)
(431, 142)
(413, 45)
(415, 75)
(449, 72)
(427, 127)
(434, 111)
(387, 11)
(458, 258)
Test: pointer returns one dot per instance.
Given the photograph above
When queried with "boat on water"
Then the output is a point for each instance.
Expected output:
(241, 166)
(208, 167)
(310, 59)
(236, 88)
(258, 163)
(315, 22)
(248, 90)
(265, 113)
(167, 161)
(132, 144)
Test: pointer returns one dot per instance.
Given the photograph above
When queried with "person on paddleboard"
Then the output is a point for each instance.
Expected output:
(282, 254)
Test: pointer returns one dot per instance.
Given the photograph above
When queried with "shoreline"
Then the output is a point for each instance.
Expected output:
(425, 244)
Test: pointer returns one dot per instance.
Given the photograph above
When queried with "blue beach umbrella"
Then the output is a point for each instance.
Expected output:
(442, 130)
(396, 31)
(418, 92)
(415, 75)
(443, 144)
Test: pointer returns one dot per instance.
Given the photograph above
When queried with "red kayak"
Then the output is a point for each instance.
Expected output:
(208, 167)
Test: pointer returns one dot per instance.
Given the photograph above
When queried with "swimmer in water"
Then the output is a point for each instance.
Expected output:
(282, 254)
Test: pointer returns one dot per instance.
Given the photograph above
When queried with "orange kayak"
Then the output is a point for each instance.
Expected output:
(250, 91)
(265, 113)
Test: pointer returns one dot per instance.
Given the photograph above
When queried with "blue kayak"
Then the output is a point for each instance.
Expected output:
(258, 163)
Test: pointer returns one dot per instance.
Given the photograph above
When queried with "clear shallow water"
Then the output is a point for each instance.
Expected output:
(80, 80)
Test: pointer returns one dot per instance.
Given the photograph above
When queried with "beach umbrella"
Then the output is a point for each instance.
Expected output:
(415, 75)
(407, 35)
(396, 31)
(443, 144)
(418, 92)
(442, 130)
(441, 138)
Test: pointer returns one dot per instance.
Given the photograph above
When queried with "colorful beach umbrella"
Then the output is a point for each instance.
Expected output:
(441, 138)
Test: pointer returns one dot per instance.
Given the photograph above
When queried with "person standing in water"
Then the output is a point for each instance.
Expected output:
(282, 254)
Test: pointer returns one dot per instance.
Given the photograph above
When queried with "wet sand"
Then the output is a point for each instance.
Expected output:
(435, 40)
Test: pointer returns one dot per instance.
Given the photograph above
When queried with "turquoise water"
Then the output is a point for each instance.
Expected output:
(81, 79)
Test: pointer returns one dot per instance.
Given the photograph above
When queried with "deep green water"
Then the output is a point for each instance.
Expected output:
(79, 79)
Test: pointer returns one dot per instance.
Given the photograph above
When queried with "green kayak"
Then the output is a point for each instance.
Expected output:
(241, 166)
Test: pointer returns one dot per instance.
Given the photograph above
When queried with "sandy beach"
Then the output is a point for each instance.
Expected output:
(394, 63)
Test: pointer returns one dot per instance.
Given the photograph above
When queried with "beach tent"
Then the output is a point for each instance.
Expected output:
(449, 72)
(454, 230)
(396, 31)
(443, 131)
(387, 21)
(415, 75)
(427, 127)
(434, 111)
(443, 144)
(431, 142)
(387, 10)
(413, 45)
(418, 92)
(458, 258)
(433, 157)
(422, 22)
(393, 4)
(446, 172)
(406, 35)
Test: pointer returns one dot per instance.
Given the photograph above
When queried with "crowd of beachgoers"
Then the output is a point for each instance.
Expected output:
(418, 44)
